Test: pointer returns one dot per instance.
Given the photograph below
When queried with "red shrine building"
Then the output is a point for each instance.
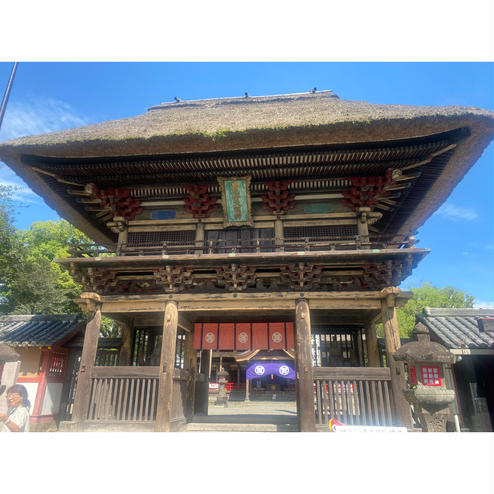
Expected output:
(262, 236)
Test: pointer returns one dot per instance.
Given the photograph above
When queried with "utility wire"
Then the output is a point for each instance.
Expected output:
(7, 93)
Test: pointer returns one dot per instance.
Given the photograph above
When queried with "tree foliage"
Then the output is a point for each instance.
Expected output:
(30, 281)
(427, 295)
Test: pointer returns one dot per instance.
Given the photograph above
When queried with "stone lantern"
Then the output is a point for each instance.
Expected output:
(222, 377)
(428, 391)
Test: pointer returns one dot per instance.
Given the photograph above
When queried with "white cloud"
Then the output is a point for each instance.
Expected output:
(456, 213)
(481, 304)
(29, 117)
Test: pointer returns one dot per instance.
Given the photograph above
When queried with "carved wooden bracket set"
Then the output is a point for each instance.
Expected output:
(199, 203)
(113, 202)
(302, 276)
(278, 200)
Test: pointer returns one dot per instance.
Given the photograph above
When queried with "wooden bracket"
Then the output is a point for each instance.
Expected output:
(278, 200)
(198, 203)
(118, 225)
(89, 301)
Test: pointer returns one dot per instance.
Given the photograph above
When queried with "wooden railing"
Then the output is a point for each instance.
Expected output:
(123, 394)
(353, 395)
(353, 242)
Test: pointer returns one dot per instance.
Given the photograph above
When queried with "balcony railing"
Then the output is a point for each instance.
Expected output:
(306, 244)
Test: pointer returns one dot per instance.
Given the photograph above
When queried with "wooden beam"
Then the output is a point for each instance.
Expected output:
(167, 365)
(89, 349)
(304, 367)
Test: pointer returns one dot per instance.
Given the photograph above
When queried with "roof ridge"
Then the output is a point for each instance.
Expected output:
(450, 311)
(328, 93)
(29, 317)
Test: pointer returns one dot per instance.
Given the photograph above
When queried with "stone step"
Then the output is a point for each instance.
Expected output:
(221, 427)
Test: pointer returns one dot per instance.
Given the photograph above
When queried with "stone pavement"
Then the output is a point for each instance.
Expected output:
(257, 416)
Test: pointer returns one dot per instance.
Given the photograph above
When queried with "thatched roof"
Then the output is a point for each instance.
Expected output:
(258, 123)
(239, 123)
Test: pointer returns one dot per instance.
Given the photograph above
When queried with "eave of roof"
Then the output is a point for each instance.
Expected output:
(457, 328)
(257, 122)
(39, 330)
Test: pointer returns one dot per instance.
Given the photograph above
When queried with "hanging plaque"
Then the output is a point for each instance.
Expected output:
(235, 198)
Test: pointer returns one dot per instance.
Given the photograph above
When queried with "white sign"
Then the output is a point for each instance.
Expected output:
(367, 428)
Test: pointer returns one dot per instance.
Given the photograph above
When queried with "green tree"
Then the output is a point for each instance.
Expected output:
(427, 295)
(33, 282)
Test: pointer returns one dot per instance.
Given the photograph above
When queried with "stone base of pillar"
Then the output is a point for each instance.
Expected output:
(433, 422)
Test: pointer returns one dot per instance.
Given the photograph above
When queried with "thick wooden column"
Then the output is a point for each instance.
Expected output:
(89, 349)
(125, 354)
(362, 225)
(190, 367)
(167, 367)
(392, 339)
(278, 234)
(372, 348)
(303, 348)
(199, 237)
(202, 384)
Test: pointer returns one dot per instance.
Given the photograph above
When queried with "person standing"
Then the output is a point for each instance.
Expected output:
(17, 418)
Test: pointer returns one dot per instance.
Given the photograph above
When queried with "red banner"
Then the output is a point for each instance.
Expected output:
(209, 336)
(276, 335)
(260, 336)
(243, 336)
(197, 336)
(226, 337)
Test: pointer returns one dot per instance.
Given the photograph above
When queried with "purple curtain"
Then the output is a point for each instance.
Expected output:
(256, 370)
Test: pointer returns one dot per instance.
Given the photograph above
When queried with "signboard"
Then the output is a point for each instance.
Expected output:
(337, 426)
(366, 428)
(235, 199)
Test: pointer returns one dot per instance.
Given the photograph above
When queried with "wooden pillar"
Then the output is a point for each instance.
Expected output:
(372, 348)
(167, 367)
(278, 234)
(89, 349)
(247, 385)
(304, 367)
(125, 354)
(393, 343)
(202, 384)
(199, 237)
(190, 367)
(40, 393)
(362, 225)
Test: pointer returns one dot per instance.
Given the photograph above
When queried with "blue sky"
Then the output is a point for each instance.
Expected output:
(52, 96)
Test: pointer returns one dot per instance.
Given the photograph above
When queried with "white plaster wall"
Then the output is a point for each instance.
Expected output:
(32, 389)
(9, 376)
(51, 403)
